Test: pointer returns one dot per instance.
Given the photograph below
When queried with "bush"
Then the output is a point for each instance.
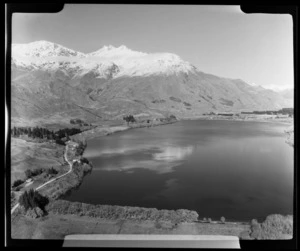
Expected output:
(275, 226)
(244, 235)
(52, 171)
(30, 173)
(60, 142)
(129, 119)
(80, 148)
(223, 219)
(84, 160)
(32, 199)
(254, 222)
(17, 183)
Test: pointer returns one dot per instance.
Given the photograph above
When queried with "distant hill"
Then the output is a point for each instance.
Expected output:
(288, 93)
(53, 83)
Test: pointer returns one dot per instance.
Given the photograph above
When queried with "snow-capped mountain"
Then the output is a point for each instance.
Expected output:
(49, 56)
(53, 83)
(43, 49)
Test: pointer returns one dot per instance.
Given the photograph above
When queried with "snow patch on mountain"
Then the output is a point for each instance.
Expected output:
(43, 49)
(108, 62)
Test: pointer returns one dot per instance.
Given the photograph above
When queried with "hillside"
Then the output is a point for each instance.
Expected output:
(51, 83)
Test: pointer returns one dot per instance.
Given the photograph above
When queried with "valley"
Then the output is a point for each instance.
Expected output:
(51, 83)
(57, 88)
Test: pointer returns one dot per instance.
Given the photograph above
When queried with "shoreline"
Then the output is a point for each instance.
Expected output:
(106, 131)
(73, 180)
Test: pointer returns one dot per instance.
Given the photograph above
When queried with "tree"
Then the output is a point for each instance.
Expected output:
(52, 171)
(29, 132)
(17, 183)
(32, 199)
(28, 173)
(129, 119)
(172, 116)
(67, 136)
(223, 219)
(254, 222)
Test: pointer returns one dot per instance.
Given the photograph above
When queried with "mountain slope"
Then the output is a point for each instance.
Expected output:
(51, 82)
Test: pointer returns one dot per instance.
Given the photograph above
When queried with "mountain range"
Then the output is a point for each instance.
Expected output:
(50, 82)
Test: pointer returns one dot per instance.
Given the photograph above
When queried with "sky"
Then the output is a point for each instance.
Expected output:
(220, 40)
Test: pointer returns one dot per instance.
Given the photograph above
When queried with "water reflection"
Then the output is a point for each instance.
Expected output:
(241, 170)
(162, 161)
(172, 153)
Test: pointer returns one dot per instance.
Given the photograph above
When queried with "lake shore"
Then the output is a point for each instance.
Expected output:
(99, 131)
(71, 213)
(57, 226)
(246, 118)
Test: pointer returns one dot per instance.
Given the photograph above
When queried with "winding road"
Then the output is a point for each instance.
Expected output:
(50, 181)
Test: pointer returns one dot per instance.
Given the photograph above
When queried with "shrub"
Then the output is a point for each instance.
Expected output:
(244, 235)
(186, 104)
(28, 173)
(175, 99)
(223, 219)
(31, 199)
(254, 222)
(256, 231)
(52, 171)
(84, 160)
(275, 226)
(80, 148)
(17, 183)
(60, 142)
(129, 119)
(172, 116)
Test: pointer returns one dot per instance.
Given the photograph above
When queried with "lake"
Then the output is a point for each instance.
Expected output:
(236, 169)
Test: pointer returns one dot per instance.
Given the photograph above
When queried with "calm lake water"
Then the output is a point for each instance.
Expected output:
(236, 169)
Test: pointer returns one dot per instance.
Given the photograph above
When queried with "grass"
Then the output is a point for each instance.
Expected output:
(31, 155)
(121, 212)
(56, 226)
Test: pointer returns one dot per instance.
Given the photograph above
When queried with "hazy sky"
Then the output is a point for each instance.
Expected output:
(220, 40)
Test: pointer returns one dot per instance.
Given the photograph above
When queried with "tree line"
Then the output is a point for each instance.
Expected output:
(43, 133)
(284, 111)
